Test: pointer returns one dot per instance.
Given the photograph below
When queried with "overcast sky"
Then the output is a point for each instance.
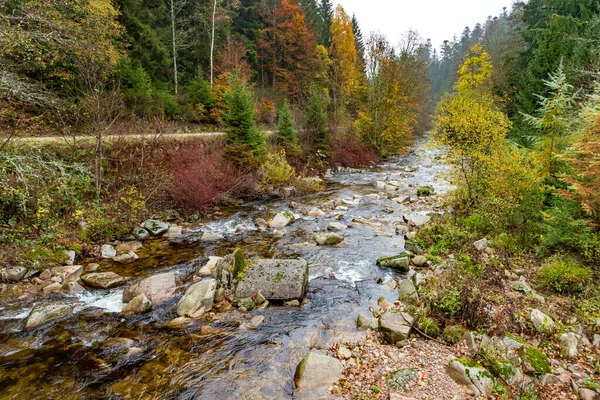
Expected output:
(434, 19)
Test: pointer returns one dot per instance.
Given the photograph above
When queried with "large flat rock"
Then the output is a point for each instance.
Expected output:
(274, 279)
(198, 299)
(395, 326)
(43, 313)
(157, 288)
(103, 280)
(317, 370)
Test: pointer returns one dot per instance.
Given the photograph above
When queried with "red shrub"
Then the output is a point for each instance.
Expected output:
(352, 153)
(201, 174)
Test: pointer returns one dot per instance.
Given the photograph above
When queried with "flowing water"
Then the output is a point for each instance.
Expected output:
(97, 353)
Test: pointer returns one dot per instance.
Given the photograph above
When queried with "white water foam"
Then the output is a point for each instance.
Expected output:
(111, 301)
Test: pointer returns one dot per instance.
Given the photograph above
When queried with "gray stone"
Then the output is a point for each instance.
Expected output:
(156, 227)
(108, 251)
(138, 305)
(317, 370)
(511, 343)
(53, 287)
(419, 261)
(126, 258)
(198, 299)
(541, 322)
(596, 340)
(413, 248)
(550, 379)
(67, 273)
(210, 237)
(127, 247)
(13, 274)
(395, 327)
(474, 378)
(481, 245)
(401, 199)
(328, 239)
(363, 321)
(174, 232)
(344, 352)
(72, 288)
(282, 219)
(336, 226)
(588, 394)
(274, 279)
(416, 219)
(69, 257)
(256, 321)
(401, 230)
(520, 286)
(400, 379)
(140, 233)
(568, 344)
(407, 292)
(43, 313)
(400, 262)
(103, 280)
(158, 288)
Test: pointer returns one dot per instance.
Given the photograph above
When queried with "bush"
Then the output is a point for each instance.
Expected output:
(429, 326)
(276, 171)
(453, 333)
(351, 152)
(564, 276)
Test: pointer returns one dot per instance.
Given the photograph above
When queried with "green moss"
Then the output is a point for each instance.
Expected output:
(398, 380)
(239, 264)
(453, 333)
(564, 276)
(278, 277)
(425, 191)
(537, 359)
(515, 338)
(429, 326)
(504, 369)
(247, 303)
(468, 363)
(289, 215)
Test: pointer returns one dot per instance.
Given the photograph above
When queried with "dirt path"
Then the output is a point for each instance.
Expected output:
(117, 137)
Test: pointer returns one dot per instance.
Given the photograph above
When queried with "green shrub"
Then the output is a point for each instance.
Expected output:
(563, 276)
(276, 171)
(453, 334)
(429, 326)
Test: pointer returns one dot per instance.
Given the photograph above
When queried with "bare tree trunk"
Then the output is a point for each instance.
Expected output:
(174, 45)
(212, 44)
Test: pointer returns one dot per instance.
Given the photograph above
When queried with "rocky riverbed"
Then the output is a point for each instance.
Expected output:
(296, 298)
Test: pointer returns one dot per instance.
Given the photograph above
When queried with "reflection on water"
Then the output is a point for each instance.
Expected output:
(97, 353)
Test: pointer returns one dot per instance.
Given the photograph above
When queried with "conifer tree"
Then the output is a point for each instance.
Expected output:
(316, 119)
(326, 11)
(244, 143)
(286, 132)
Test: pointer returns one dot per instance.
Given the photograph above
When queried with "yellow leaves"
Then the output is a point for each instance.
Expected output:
(343, 52)
(476, 70)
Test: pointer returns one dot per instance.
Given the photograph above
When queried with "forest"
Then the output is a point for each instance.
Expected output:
(289, 92)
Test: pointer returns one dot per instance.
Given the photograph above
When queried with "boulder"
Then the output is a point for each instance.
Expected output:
(103, 280)
(209, 267)
(363, 321)
(316, 213)
(481, 245)
(407, 292)
(72, 288)
(156, 227)
(541, 322)
(43, 313)
(208, 236)
(395, 327)
(127, 247)
(140, 233)
(471, 375)
(419, 261)
(336, 226)
(69, 257)
(126, 258)
(274, 279)
(198, 299)
(107, 251)
(158, 288)
(328, 239)
(12, 274)
(520, 286)
(400, 262)
(317, 370)
(138, 305)
(282, 219)
(174, 232)
(69, 273)
(416, 219)
(568, 344)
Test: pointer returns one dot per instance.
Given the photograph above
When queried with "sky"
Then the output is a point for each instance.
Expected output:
(437, 20)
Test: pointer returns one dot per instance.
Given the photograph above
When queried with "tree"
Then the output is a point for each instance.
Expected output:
(359, 44)
(326, 13)
(476, 70)
(286, 132)
(244, 143)
(317, 126)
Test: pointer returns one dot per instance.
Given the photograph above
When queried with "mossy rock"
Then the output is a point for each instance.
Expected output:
(425, 191)
(453, 334)
(401, 262)
(247, 303)
(536, 359)
(504, 369)
(400, 379)
(239, 264)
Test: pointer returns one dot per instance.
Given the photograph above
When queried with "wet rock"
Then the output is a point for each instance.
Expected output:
(12, 274)
(401, 378)
(103, 280)
(69, 257)
(43, 313)
(481, 245)
(138, 305)
(380, 185)
(93, 267)
(416, 220)
(468, 374)
(140, 233)
(568, 344)
(256, 322)
(246, 304)
(395, 327)
(407, 292)
(198, 299)
(68, 273)
(541, 322)
(328, 239)
(282, 219)
(317, 370)
(180, 323)
(400, 262)
(413, 248)
(419, 261)
(156, 227)
(401, 230)
(261, 224)
(292, 303)
(336, 226)
(210, 237)
(129, 247)
(107, 251)
(274, 279)
(157, 288)
(280, 233)
(383, 234)
(401, 199)
(174, 232)
(126, 258)
(363, 321)
(72, 288)
(53, 287)
(209, 267)
(316, 213)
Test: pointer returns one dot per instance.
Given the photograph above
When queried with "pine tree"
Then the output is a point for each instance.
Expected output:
(359, 43)
(286, 132)
(244, 143)
(326, 11)
(316, 119)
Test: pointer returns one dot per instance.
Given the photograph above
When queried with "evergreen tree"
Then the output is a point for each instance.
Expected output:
(244, 143)
(286, 132)
(326, 13)
(317, 125)
(359, 43)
